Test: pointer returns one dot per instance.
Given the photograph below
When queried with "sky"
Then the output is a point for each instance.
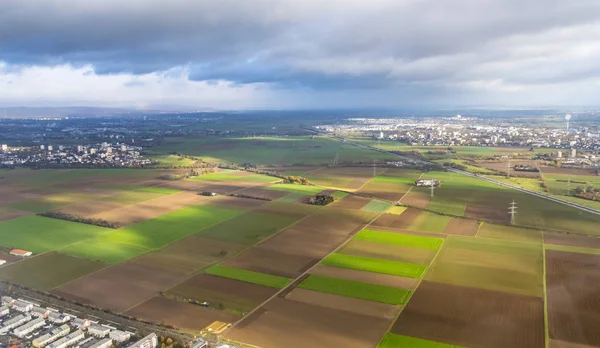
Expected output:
(284, 54)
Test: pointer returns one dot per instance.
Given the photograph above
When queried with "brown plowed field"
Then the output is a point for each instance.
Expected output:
(132, 214)
(303, 243)
(351, 202)
(572, 171)
(223, 189)
(571, 240)
(91, 208)
(233, 294)
(472, 317)
(238, 202)
(412, 233)
(264, 193)
(119, 287)
(365, 277)
(270, 261)
(179, 314)
(563, 344)
(384, 190)
(189, 254)
(401, 221)
(481, 212)
(416, 199)
(288, 323)
(352, 305)
(462, 227)
(388, 252)
(7, 213)
(502, 168)
(573, 292)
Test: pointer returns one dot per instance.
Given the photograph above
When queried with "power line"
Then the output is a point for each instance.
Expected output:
(512, 211)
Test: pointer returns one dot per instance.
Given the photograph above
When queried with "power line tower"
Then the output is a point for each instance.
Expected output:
(432, 187)
(512, 211)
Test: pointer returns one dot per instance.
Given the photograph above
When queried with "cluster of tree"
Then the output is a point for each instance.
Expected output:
(192, 173)
(80, 219)
(168, 342)
(248, 196)
(588, 192)
(291, 179)
(321, 199)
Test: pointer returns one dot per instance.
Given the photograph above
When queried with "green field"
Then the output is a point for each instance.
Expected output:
(443, 206)
(39, 234)
(248, 276)
(233, 175)
(51, 202)
(172, 160)
(368, 264)
(304, 189)
(48, 270)
(355, 289)
(391, 340)
(392, 252)
(509, 233)
(337, 195)
(399, 239)
(429, 222)
(375, 206)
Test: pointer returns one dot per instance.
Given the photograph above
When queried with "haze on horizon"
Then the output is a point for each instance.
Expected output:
(299, 54)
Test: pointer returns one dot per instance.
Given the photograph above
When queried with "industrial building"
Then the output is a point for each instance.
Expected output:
(104, 343)
(150, 341)
(14, 322)
(68, 340)
(51, 336)
(99, 331)
(29, 327)
(119, 336)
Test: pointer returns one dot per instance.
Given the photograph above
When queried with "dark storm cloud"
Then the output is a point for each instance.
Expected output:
(335, 44)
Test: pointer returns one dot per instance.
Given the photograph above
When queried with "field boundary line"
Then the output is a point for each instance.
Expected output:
(409, 189)
(546, 319)
(479, 228)
(350, 237)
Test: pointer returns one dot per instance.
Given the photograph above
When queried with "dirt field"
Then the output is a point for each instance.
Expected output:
(238, 202)
(401, 221)
(302, 242)
(286, 323)
(7, 213)
(352, 305)
(118, 287)
(572, 283)
(189, 254)
(487, 213)
(131, 214)
(501, 167)
(384, 190)
(365, 277)
(179, 314)
(89, 209)
(264, 260)
(232, 294)
(563, 344)
(263, 193)
(388, 252)
(566, 170)
(351, 202)
(416, 199)
(472, 317)
(571, 240)
(462, 227)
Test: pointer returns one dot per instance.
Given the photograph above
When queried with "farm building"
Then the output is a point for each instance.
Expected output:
(207, 193)
(104, 343)
(39, 312)
(99, 331)
(29, 327)
(150, 341)
(68, 340)
(4, 311)
(14, 322)
(2, 262)
(200, 343)
(51, 336)
(58, 318)
(22, 306)
(19, 252)
(120, 336)
(427, 182)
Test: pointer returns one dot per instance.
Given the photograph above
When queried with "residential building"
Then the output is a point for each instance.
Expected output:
(97, 330)
(58, 318)
(68, 340)
(93, 151)
(51, 336)
(104, 343)
(61, 148)
(22, 306)
(573, 153)
(119, 336)
(19, 252)
(150, 341)
(109, 150)
(79, 148)
(14, 322)
(81, 323)
(4, 311)
(123, 147)
(200, 343)
(4, 147)
(7, 301)
(39, 312)
(42, 147)
(29, 327)
(50, 148)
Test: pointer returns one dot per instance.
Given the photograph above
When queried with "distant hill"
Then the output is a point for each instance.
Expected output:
(78, 111)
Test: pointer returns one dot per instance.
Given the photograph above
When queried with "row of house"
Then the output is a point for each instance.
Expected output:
(51, 336)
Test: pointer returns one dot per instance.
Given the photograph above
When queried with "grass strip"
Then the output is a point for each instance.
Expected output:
(248, 276)
(368, 264)
(431, 243)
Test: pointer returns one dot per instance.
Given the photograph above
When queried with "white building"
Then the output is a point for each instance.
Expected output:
(200, 343)
(60, 147)
(4, 147)
(29, 327)
(559, 154)
(97, 330)
(22, 306)
(81, 323)
(104, 343)
(79, 148)
(7, 301)
(21, 253)
(51, 336)
(4, 311)
(42, 147)
(573, 153)
(150, 341)
(50, 148)
(109, 150)
(14, 322)
(93, 151)
(58, 318)
(119, 336)
(2, 262)
(68, 340)
(39, 312)
(123, 147)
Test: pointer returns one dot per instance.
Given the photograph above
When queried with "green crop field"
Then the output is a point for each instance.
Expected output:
(444, 206)
(51, 202)
(429, 222)
(233, 175)
(396, 210)
(248, 228)
(337, 195)
(248, 276)
(375, 206)
(305, 189)
(391, 340)
(368, 264)
(349, 288)
(160, 231)
(107, 251)
(509, 233)
(392, 252)
(39, 234)
(399, 239)
(172, 160)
